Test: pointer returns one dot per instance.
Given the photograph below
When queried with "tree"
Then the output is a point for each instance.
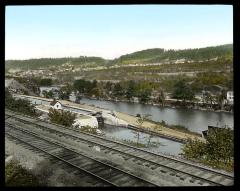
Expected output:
(220, 98)
(161, 98)
(84, 86)
(220, 145)
(78, 98)
(140, 121)
(145, 96)
(80, 85)
(182, 91)
(18, 105)
(208, 98)
(218, 150)
(95, 91)
(65, 91)
(131, 90)
(65, 118)
(45, 82)
(118, 90)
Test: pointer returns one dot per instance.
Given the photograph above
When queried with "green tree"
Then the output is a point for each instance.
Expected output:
(220, 98)
(208, 98)
(65, 118)
(161, 98)
(182, 91)
(118, 90)
(80, 85)
(217, 151)
(131, 90)
(220, 145)
(145, 95)
(65, 91)
(45, 82)
(19, 105)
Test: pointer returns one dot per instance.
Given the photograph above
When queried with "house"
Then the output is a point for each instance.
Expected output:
(230, 97)
(180, 61)
(55, 104)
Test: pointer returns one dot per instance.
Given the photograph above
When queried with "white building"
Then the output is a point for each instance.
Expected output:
(56, 105)
(85, 120)
(180, 61)
(230, 97)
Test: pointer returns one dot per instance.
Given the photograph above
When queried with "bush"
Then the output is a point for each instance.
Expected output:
(65, 118)
(89, 129)
(19, 105)
(15, 175)
(218, 151)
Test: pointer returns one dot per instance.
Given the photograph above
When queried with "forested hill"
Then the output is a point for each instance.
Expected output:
(145, 56)
(158, 55)
(47, 62)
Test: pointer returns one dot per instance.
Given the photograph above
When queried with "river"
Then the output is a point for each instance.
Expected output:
(194, 120)
(157, 144)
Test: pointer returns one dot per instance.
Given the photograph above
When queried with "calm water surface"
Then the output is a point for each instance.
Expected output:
(194, 120)
(161, 145)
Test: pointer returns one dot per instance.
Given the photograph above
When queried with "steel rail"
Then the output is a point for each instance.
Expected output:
(129, 146)
(131, 155)
(102, 163)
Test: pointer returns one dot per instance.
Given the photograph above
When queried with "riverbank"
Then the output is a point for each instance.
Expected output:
(132, 120)
(169, 103)
(147, 126)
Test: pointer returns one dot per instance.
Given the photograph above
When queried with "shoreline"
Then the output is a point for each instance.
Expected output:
(147, 126)
(165, 106)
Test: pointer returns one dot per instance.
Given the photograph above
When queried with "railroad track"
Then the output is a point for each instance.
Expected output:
(104, 172)
(165, 164)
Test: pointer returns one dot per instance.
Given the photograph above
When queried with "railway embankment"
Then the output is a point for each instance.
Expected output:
(79, 149)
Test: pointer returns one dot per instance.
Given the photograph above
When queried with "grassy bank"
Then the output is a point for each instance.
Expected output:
(175, 127)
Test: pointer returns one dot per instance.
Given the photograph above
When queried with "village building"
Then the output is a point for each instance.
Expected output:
(230, 97)
(56, 105)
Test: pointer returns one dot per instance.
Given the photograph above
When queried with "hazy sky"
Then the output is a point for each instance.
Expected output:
(112, 30)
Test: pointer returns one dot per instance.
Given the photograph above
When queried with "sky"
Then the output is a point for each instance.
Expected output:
(110, 31)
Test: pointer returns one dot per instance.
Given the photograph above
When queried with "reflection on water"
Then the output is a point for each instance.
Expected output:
(194, 120)
(161, 145)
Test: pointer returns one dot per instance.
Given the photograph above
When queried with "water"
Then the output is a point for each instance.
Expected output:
(198, 120)
(162, 145)
(194, 120)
